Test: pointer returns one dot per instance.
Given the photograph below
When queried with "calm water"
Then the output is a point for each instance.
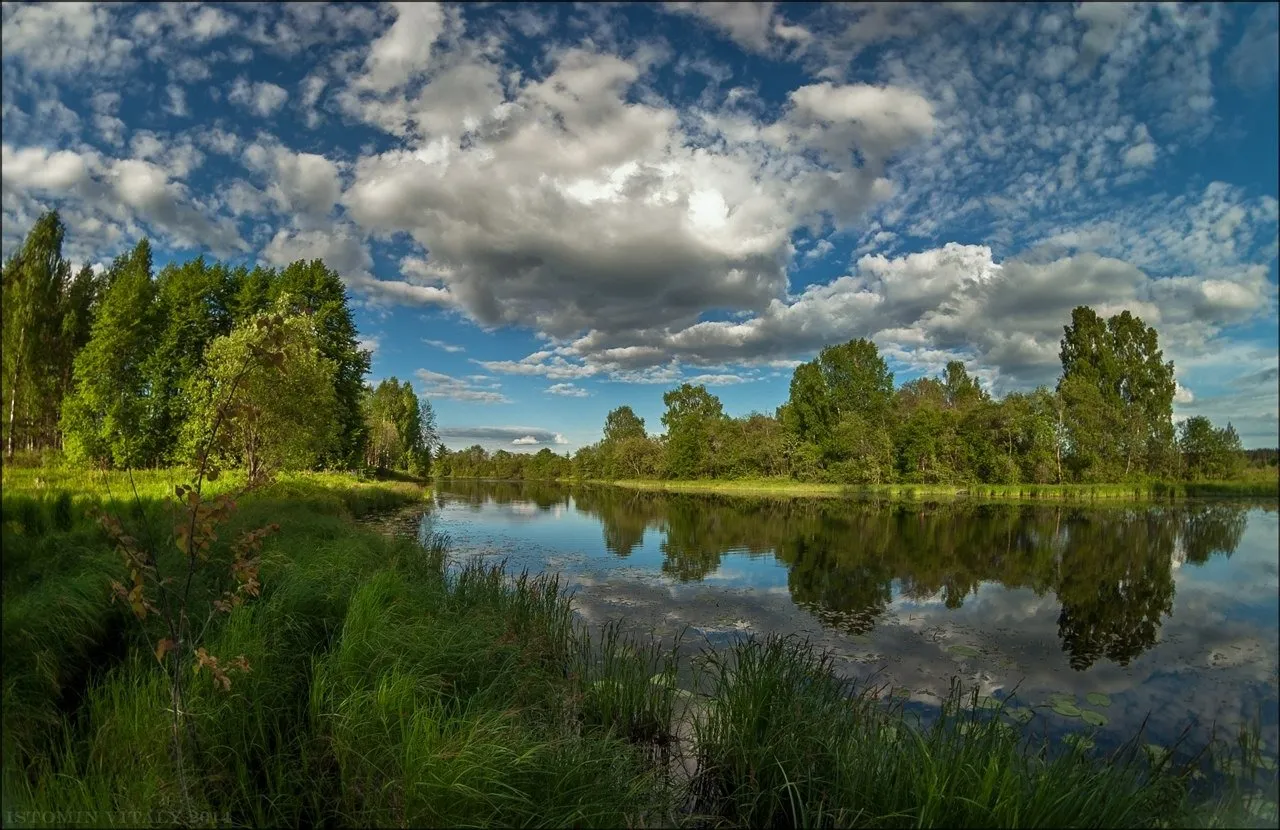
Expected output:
(1171, 611)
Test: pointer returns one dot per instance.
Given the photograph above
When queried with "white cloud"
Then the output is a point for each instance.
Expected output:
(747, 24)
(65, 39)
(513, 222)
(341, 248)
(106, 193)
(175, 101)
(1140, 155)
(527, 439)
(448, 347)
(303, 184)
(404, 50)
(567, 390)
(439, 385)
(261, 98)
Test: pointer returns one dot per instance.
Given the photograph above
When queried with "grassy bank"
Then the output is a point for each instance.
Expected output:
(386, 689)
(1249, 488)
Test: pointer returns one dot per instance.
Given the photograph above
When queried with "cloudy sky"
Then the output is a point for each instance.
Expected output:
(543, 212)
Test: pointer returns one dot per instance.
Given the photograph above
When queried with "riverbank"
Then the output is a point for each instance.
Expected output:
(786, 488)
(386, 689)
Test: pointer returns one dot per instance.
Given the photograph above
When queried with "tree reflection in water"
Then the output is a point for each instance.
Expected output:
(1111, 568)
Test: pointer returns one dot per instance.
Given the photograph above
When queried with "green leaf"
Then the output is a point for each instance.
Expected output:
(1094, 718)
(1021, 714)
(1067, 710)
(1098, 699)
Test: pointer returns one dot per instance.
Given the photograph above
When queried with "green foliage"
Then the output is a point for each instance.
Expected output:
(401, 429)
(316, 290)
(193, 308)
(45, 314)
(283, 411)
(1117, 396)
(101, 366)
(1209, 453)
(693, 420)
(106, 416)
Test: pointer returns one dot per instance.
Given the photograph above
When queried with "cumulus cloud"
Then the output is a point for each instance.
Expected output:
(65, 39)
(925, 308)
(750, 25)
(340, 247)
(439, 385)
(303, 185)
(261, 98)
(111, 191)
(448, 347)
(564, 206)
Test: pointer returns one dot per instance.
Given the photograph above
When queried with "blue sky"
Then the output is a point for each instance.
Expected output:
(544, 212)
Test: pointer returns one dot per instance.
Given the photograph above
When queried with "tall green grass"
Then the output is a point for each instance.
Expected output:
(390, 686)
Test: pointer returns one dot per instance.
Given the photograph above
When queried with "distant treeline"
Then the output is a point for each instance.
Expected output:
(1109, 419)
(131, 368)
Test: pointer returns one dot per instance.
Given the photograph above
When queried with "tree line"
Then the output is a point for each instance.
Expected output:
(1109, 419)
(128, 367)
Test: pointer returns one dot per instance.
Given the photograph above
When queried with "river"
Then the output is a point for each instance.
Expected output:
(1160, 612)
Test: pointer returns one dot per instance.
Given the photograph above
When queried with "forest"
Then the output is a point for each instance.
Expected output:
(1109, 419)
(128, 368)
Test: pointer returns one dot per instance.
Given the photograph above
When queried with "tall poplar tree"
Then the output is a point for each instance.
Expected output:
(33, 285)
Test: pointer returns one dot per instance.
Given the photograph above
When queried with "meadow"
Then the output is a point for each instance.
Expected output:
(387, 684)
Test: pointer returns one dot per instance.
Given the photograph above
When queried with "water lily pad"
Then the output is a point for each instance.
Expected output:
(988, 703)
(1156, 752)
(963, 650)
(1067, 710)
(1098, 699)
(1021, 714)
(1094, 718)
(1061, 697)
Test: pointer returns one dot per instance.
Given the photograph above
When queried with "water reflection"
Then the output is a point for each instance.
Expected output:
(1110, 568)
